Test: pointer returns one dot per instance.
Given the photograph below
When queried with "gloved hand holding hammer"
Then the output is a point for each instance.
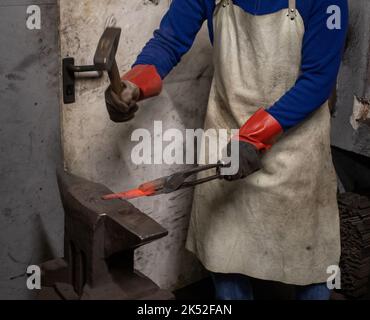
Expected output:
(140, 83)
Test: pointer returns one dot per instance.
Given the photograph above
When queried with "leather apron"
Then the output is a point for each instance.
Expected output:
(281, 223)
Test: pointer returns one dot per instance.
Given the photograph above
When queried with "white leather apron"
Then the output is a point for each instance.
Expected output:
(281, 223)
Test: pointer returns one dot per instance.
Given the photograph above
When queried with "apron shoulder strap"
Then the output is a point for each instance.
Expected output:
(223, 2)
(292, 11)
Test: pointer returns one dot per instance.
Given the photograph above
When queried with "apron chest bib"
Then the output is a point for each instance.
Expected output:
(281, 223)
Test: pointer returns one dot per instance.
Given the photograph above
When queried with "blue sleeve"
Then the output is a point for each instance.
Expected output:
(321, 57)
(175, 36)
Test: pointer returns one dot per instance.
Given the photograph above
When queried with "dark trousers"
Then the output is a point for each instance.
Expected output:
(239, 287)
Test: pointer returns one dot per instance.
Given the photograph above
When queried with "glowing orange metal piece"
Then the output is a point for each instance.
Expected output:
(132, 194)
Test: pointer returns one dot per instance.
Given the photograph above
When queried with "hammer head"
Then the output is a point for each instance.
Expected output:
(105, 54)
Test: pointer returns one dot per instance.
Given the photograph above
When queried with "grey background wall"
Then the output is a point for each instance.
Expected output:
(354, 80)
(31, 218)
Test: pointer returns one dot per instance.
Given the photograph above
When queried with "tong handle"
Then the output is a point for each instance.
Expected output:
(188, 184)
(191, 172)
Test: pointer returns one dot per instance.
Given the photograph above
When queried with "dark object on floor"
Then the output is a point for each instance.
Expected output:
(99, 243)
(353, 171)
(355, 238)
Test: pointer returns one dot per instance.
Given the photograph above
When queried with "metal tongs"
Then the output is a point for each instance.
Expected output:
(169, 183)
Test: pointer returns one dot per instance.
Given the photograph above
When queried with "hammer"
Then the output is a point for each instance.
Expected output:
(105, 57)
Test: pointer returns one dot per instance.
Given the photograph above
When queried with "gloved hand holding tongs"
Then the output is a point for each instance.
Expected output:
(169, 184)
(248, 159)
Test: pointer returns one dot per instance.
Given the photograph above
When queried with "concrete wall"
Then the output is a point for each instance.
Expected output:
(354, 80)
(100, 150)
(31, 218)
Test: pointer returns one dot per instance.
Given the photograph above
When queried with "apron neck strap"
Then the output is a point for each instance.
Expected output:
(224, 3)
(292, 11)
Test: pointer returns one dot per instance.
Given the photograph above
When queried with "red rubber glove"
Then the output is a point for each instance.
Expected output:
(255, 136)
(261, 130)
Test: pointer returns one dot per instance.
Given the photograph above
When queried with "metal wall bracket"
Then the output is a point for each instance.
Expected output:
(69, 78)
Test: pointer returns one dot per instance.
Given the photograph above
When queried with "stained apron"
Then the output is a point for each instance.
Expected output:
(281, 223)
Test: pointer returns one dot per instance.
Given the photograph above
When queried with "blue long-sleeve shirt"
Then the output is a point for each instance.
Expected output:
(325, 32)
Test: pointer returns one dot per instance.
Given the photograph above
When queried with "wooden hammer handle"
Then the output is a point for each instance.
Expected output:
(115, 79)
